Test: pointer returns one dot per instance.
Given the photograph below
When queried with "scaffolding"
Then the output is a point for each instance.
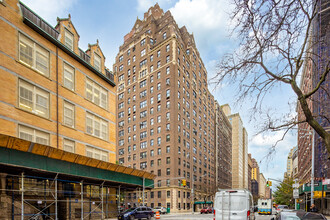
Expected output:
(35, 197)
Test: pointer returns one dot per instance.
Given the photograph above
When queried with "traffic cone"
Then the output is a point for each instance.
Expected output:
(157, 215)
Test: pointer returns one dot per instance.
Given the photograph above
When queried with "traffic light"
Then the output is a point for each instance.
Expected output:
(269, 183)
(183, 182)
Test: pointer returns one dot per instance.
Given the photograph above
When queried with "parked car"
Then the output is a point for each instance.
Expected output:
(206, 210)
(233, 204)
(298, 215)
(137, 213)
(281, 208)
(160, 209)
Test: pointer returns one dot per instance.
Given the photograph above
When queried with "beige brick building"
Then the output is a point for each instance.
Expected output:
(239, 149)
(262, 186)
(52, 92)
(166, 114)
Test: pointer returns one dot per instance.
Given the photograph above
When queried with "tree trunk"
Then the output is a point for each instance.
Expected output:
(309, 116)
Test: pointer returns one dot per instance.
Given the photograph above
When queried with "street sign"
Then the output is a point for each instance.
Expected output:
(326, 181)
(295, 193)
(315, 184)
(295, 185)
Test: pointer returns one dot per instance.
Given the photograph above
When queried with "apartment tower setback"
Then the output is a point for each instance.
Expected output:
(166, 114)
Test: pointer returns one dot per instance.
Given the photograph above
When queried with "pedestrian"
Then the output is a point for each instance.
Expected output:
(313, 208)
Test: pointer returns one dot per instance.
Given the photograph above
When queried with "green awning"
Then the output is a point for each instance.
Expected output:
(203, 202)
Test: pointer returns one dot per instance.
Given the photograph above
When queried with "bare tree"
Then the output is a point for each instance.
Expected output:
(276, 41)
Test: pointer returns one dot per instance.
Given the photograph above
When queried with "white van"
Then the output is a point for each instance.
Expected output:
(232, 204)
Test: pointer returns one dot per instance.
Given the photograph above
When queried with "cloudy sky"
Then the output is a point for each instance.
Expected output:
(209, 21)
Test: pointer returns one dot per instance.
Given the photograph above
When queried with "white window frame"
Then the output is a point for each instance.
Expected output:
(97, 126)
(96, 93)
(96, 153)
(68, 39)
(97, 61)
(33, 55)
(34, 135)
(69, 145)
(68, 77)
(30, 99)
(67, 107)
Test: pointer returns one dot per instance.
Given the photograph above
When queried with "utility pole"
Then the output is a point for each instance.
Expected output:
(193, 195)
(143, 192)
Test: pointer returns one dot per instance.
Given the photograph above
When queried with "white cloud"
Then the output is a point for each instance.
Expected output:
(144, 5)
(50, 10)
(208, 20)
(201, 15)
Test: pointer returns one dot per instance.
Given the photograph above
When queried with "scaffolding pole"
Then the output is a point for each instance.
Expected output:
(22, 202)
(82, 199)
(102, 212)
(56, 198)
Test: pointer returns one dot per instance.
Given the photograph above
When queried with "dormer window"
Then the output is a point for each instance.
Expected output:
(97, 62)
(68, 40)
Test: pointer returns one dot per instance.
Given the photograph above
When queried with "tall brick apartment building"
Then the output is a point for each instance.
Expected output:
(166, 115)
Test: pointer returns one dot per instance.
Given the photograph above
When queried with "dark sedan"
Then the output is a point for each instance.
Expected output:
(136, 213)
(297, 215)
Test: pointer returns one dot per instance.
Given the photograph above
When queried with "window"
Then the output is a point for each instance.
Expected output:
(96, 126)
(143, 52)
(97, 62)
(68, 145)
(68, 77)
(96, 94)
(168, 92)
(158, 53)
(143, 42)
(168, 194)
(158, 64)
(143, 145)
(68, 39)
(167, 59)
(33, 99)
(168, 70)
(167, 47)
(168, 149)
(96, 153)
(68, 114)
(143, 83)
(143, 104)
(168, 171)
(164, 35)
(33, 135)
(158, 75)
(121, 58)
(33, 55)
(159, 140)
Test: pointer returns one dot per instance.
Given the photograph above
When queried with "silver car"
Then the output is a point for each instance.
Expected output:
(160, 209)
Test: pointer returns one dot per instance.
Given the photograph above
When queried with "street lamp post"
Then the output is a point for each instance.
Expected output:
(313, 162)
(312, 173)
